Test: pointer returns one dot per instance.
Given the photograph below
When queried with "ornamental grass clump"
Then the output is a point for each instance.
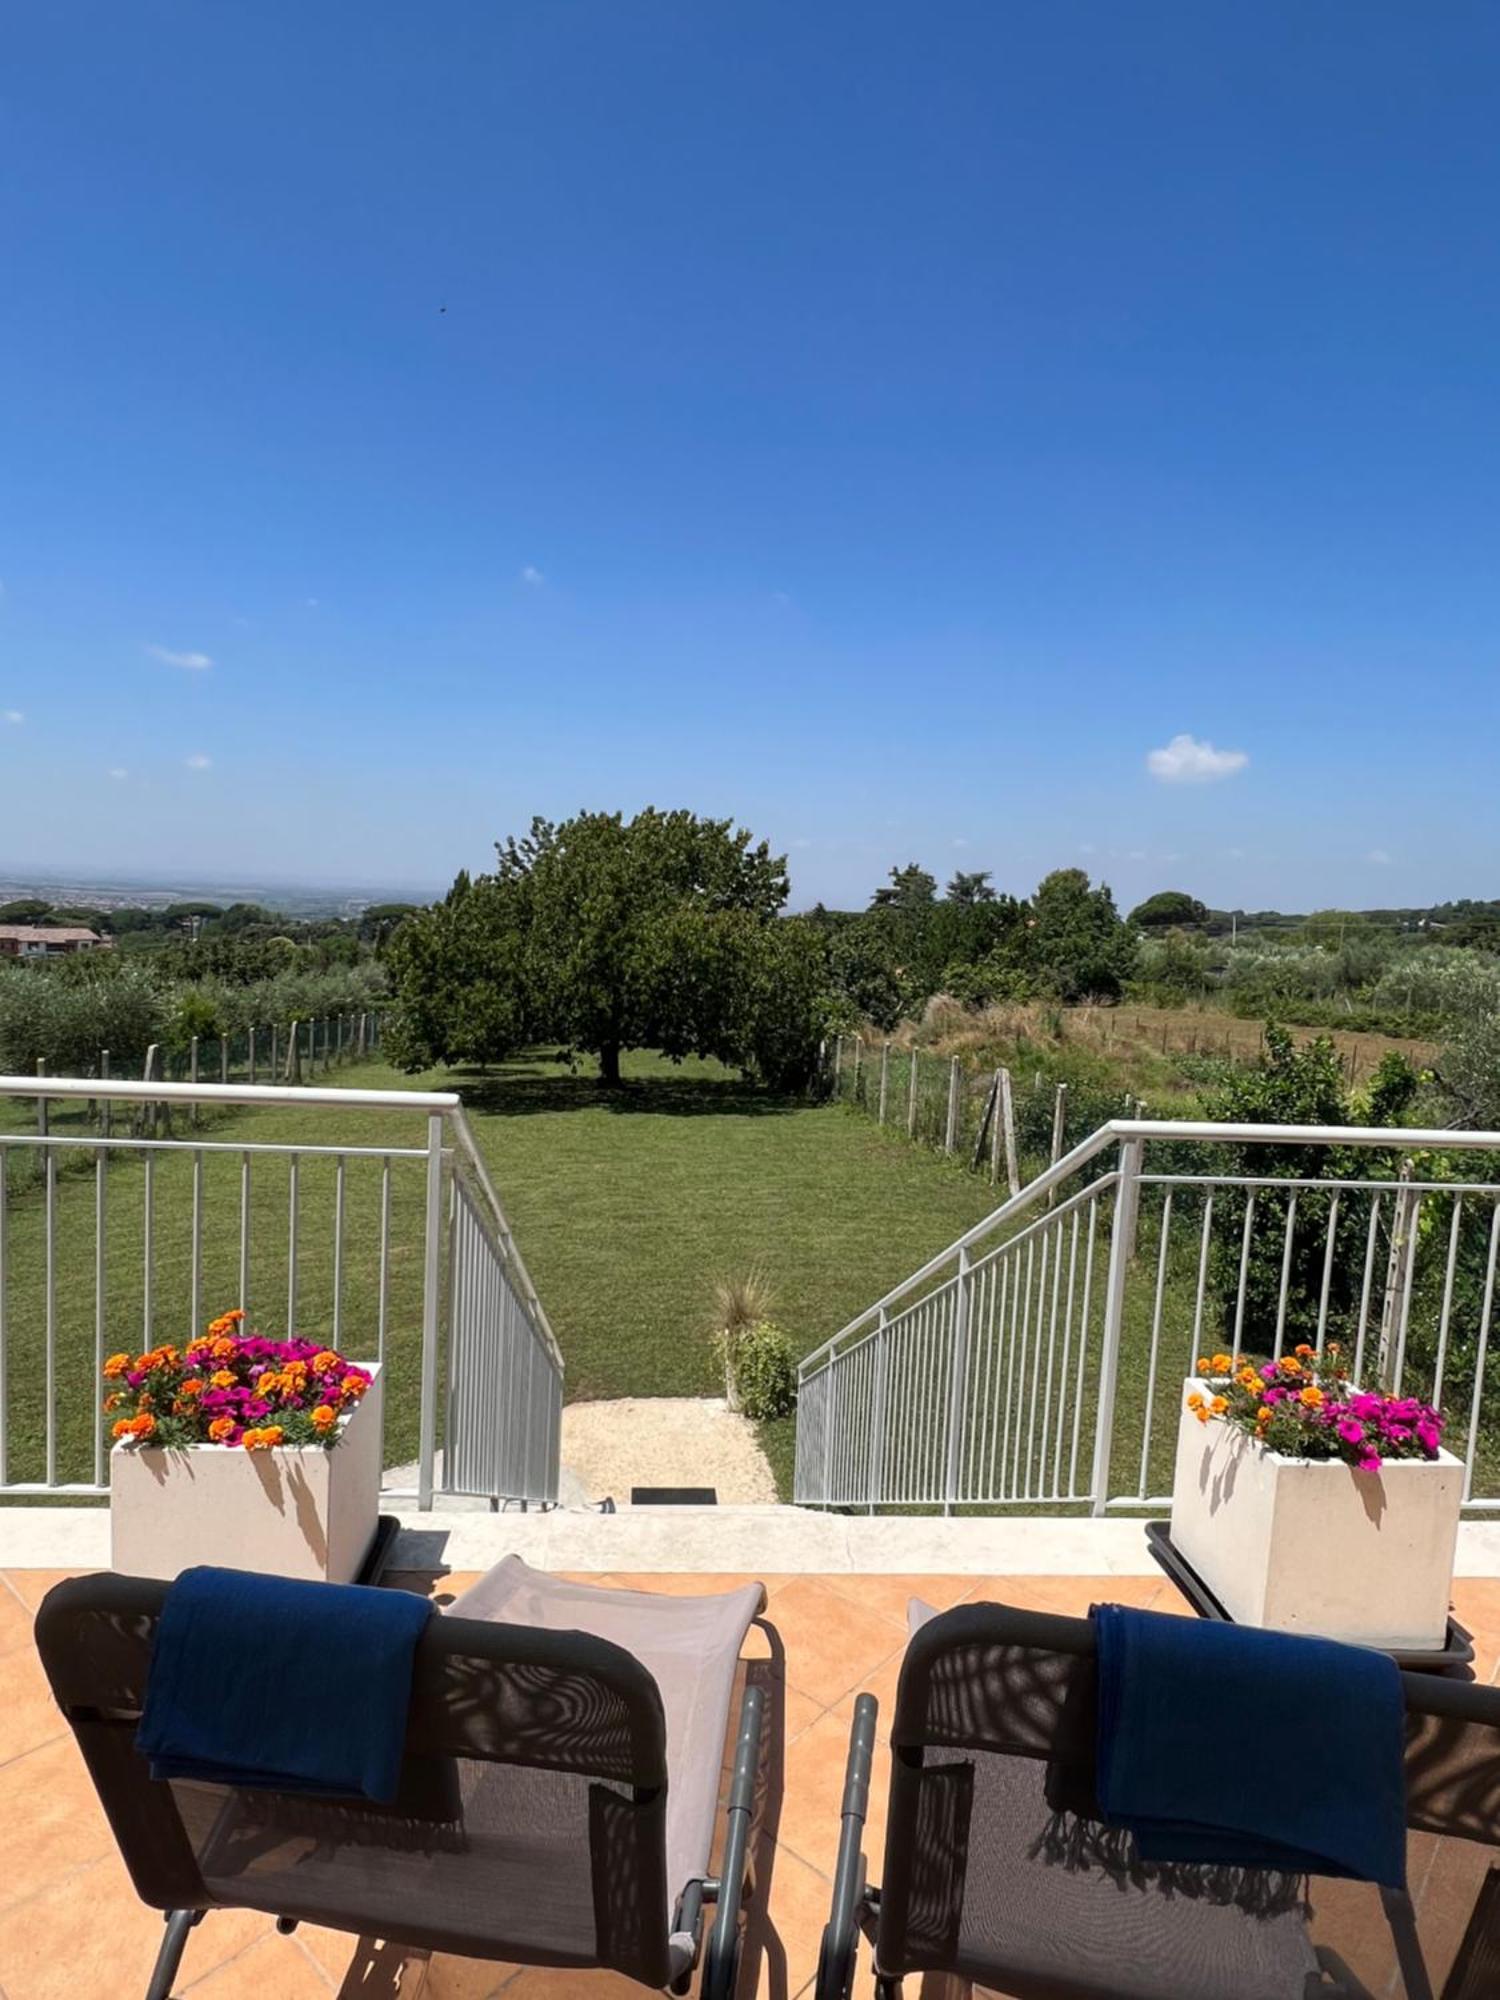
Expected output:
(1302, 1406)
(233, 1389)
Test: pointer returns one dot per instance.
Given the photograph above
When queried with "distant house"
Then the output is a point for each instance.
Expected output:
(37, 941)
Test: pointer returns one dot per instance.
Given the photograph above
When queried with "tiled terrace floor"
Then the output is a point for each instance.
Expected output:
(70, 1924)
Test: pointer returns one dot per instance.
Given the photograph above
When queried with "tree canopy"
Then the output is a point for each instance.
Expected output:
(661, 932)
(1169, 909)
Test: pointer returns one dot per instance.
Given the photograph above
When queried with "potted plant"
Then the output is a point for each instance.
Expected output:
(740, 1303)
(1308, 1505)
(245, 1452)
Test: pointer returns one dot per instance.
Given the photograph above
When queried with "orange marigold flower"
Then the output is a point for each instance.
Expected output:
(1202, 1364)
(1221, 1364)
(143, 1427)
(114, 1401)
(326, 1362)
(192, 1386)
(1195, 1401)
(124, 1428)
(1302, 1350)
(1312, 1396)
(225, 1350)
(1202, 1416)
(222, 1378)
(265, 1438)
(268, 1382)
(325, 1417)
(1219, 1405)
(354, 1385)
(220, 1428)
(1264, 1414)
(1290, 1365)
(117, 1364)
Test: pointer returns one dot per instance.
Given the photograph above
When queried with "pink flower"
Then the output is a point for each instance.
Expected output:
(1350, 1431)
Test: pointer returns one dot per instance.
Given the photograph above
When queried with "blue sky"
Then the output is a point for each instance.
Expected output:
(885, 424)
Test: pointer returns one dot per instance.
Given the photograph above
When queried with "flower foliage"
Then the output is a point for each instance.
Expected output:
(1303, 1406)
(232, 1388)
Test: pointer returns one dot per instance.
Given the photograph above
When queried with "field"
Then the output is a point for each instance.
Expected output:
(626, 1205)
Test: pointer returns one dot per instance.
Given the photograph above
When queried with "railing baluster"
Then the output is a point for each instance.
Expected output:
(148, 1253)
(4, 1321)
(1329, 1249)
(195, 1254)
(1447, 1311)
(291, 1250)
(244, 1272)
(1204, 1244)
(1083, 1346)
(1161, 1287)
(1372, 1238)
(1481, 1352)
(1239, 1297)
(382, 1304)
(1286, 1278)
(338, 1249)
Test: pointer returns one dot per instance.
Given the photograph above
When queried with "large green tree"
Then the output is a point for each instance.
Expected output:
(661, 931)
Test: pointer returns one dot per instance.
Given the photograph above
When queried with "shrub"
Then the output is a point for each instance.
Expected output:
(765, 1372)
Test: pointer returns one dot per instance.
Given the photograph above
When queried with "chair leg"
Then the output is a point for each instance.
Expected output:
(169, 1958)
(721, 1961)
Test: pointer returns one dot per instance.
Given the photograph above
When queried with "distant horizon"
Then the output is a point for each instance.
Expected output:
(214, 887)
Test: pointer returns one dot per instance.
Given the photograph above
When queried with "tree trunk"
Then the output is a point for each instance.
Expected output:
(609, 1063)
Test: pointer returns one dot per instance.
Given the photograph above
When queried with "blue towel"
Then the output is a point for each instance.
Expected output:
(1227, 1745)
(280, 1686)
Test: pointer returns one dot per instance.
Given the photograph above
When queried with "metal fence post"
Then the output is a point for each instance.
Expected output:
(1396, 1301)
(950, 1136)
(885, 1079)
(859, 1049)
(1121, 1249)
(958, 1380)
(432, 1286)
(912, 1081)
(193, 1070)
(250, 1061)
(830, 1422)
(838, 1062)
(1007, 1114)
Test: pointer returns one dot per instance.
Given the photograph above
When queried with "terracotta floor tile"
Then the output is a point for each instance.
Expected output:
(51, 1821)
(892, 1594)
(535, 1983)
(31, 1716)
(16, 1619)
(450, 1978)
(32, 1585)
(785, 1928)
(833, 1644)
(274, 1965)
(809, 1824)
(88, 1934)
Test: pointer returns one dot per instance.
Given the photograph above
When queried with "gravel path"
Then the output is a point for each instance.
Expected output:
(611, 1446)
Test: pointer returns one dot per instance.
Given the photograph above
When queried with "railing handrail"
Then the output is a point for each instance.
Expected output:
(1392, 1138)
(1389, 1138)
(134, 1090)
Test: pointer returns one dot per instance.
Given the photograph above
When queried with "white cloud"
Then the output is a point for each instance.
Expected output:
(532, 575)
(118, 771)
(1186, 761)
(960, 842)
(196, 662)
(1379, 856)
(198, 762)
(12, 716)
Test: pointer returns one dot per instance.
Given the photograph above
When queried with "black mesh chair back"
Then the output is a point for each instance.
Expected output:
(530, 1820)
(1000, 1870)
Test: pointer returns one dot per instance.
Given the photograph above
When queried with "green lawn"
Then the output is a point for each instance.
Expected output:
(625, 1204)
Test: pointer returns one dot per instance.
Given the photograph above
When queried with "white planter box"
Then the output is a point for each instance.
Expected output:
(1311, 1545)
(303, 1513)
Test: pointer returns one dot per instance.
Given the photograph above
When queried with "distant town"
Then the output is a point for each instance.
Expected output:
(301, 901)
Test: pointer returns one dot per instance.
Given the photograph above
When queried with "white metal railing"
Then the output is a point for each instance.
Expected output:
(1034, 1361)
(393, 1245)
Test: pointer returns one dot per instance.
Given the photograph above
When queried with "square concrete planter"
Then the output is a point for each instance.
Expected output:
(306, 1512)
(1311, 1545)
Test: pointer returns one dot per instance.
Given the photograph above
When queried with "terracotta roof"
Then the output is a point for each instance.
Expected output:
(46, 934)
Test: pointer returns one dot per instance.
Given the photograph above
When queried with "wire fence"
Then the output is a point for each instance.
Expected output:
(291, 1052)
(1004, 1125)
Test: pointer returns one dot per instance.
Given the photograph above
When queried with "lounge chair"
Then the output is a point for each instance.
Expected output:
(559, 1790)
(997, 1875)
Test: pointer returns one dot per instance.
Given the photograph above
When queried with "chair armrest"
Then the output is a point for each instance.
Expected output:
(851, 1898)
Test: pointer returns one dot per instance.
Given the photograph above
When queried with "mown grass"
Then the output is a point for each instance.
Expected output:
(625, 1204)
